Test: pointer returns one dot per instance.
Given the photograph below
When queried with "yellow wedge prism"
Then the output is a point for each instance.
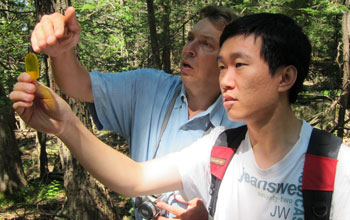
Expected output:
(32, 65)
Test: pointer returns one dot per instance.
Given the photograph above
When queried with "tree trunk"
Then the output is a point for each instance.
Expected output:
(86, 197)
(153, 34)
(166, 39)
(42, 7)
(42, 154)
(41, 138)
(11, 172)
(346, 76)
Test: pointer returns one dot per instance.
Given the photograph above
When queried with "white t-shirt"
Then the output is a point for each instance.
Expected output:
(248, 192)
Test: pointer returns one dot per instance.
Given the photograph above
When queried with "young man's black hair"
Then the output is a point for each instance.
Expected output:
(283, 43)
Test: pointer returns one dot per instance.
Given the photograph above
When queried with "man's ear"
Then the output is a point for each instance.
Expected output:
(287, 78)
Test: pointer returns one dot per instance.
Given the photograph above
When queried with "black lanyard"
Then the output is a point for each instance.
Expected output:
(166, 119)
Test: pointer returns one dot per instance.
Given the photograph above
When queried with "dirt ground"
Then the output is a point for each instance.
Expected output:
(39, 207)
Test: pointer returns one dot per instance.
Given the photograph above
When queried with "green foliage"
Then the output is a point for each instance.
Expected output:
(115, 34)
(37, 201)
(51, 190)
(34, 193)
(5, 104)
(110, 30)
(15, 25)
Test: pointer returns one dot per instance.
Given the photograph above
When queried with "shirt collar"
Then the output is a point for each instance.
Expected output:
(181, 99)
(216, 111)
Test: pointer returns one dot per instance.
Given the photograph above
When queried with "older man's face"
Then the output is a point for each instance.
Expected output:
(199, 64)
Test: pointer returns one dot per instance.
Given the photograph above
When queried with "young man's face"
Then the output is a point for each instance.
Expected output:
(249, 91)
(198, 60)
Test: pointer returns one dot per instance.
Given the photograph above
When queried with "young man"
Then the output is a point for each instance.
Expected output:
(264, 59)
(135, 103)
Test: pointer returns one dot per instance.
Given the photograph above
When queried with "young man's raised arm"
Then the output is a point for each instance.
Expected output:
(117, 171)
(47, 112)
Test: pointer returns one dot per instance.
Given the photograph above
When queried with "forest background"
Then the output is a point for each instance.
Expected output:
(39, 179)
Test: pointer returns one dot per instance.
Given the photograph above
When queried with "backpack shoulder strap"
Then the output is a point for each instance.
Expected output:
(224, 148)
(319, 174)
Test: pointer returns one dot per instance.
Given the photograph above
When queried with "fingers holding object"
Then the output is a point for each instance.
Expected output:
(172, 209)
(179, 198)
(23, 91)
(21, 99)
(21, 94)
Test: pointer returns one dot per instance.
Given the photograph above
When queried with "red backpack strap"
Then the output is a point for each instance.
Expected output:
(319, 174)
(221, 154)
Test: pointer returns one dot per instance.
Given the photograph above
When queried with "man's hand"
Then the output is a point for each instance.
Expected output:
(195, 209)
(56, 33)
(39, 106)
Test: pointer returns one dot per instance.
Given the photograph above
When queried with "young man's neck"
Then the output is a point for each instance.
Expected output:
(200, 101)
(271, 141)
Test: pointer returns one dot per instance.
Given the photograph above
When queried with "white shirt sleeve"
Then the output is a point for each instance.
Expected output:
(193, 164)
(341, 196)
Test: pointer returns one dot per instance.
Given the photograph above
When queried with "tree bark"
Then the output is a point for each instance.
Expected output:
(86, 197)
(344, 97)
(41, 139)
(166, 39)
(42, 7)
(11, 172)
(153, 34)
